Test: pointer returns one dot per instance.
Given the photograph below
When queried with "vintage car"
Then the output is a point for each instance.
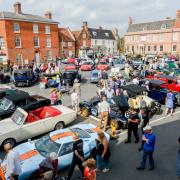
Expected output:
(87, 66)
(60, 142)
(25, 77)
(4, 78)
(103, 66)
(70, 76)
(94, 76)
(23, 125)
(133, 92)
(70, 67)
(119, 63)
(118, 105)
(136, 64)
(9, 103)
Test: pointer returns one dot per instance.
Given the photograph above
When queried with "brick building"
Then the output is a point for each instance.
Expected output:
(67, 43)
(26, 37)
(95, 41)
(156, 37)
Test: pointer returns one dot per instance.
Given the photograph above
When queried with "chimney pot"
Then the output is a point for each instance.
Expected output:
(130, 21)
(85, 23)
(48, 15)
(17, 8)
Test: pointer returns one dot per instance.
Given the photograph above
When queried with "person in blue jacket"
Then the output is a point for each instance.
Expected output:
(149, 139)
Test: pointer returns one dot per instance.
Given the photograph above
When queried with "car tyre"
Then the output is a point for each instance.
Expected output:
(59, 125)
(114, 124)
(10, 140)
(85, 112)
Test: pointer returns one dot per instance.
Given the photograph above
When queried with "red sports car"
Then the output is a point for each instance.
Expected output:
(87, 66)
(70, 67)
(102, 66)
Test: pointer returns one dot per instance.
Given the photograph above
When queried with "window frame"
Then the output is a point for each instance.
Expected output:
(16, 41)
(161, 48)
(48, 42)
(84, 35)
(37, 28)
(174, 48)
(47, 27)
(155, 48)
(37, 41)
(149, 48)
(2, 42)
(50, 57)
(14, 28)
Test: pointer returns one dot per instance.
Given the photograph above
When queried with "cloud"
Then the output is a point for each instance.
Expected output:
(108, 14)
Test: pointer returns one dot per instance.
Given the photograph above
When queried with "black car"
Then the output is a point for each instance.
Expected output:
(23, 100)
(69, 77)
(25, 77)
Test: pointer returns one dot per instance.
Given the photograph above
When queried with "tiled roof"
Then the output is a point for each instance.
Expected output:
(76, 33)
(156, 25)
(25, 17)
(101, 34)
(66, 34)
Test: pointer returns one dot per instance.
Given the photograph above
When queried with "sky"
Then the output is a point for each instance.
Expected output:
(109, 14)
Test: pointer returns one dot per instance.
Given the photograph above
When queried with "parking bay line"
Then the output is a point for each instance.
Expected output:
(151, 123)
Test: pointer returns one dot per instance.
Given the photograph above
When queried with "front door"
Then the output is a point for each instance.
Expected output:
(37, 58)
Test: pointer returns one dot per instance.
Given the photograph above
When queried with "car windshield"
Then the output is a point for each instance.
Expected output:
(80, 132)
(87, 63)
(5, 104)
(18, 117)
(20, 74)
(45, 146)
(103, 63)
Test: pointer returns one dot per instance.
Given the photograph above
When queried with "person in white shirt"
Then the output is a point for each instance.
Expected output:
(135, 80)
(74, 101)
(103, 112)
(109, 93)
(13, 163)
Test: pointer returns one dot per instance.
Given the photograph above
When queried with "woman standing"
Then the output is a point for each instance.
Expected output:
(53, 97)
(169, 102)
(89, 170)
(103, 153)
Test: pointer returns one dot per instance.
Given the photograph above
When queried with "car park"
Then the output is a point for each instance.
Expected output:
(23, 125)
(70, 76)
(25, 77)
(10, 103)
(60, 142)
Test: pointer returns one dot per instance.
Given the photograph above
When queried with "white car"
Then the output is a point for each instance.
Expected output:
(22, 125)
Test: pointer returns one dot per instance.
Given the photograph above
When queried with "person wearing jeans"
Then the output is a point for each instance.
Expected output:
(148, 148)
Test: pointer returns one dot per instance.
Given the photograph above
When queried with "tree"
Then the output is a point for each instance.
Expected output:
(120, 45)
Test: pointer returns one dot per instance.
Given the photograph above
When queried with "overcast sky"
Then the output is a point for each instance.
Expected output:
(109, 14)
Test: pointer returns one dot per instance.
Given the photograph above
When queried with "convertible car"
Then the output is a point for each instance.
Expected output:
(9, 104)
(23, 125)
(87, 66)
(60, 142)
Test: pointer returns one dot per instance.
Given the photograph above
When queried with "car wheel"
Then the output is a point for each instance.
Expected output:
(10, 140)
(85, 112)
(59, 125)
(114, 124)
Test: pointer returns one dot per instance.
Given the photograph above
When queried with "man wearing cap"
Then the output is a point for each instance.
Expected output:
(103, 111)
(148, 148)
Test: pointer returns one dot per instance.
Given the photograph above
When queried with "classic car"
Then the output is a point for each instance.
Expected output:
(94, 76)
(133, 92)
(25, 77)
(60, 142)
(23, 125)
(70, 67)
(119, 63)
(136, 64)
(70, 76)
(103, 66)
(4, 78)
(8, 90)
(118, 104)
(87, 66)
(9, 103)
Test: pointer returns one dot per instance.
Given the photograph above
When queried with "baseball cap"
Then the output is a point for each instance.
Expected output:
(53, 156)
(147, 128)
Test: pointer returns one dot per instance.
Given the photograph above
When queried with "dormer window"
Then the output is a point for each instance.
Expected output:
(94, 33)
(164, 26)
(144, 28)
(107, 34)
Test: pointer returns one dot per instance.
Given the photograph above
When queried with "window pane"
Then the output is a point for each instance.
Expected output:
(36, 41)
(35, 28)
(16, 27)
(17, 41)
(48, 42)
(48, 55)
(2, 43)
(47, 29)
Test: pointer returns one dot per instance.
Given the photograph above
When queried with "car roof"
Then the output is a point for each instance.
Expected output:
(167, 77)
(153, 81)
(18, 97)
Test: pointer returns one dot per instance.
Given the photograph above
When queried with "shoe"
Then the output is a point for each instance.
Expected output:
(140, 149)
(97, 170)
(151, 168)
(136, 141)
(140, 168)
(127, 142)
(105, 170)
(81, 177)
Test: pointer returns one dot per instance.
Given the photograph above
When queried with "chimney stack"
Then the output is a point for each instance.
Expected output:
(168, 18)
(48, 15)
(178, 15)
(130, 21)
(17, 8)
(85, 24)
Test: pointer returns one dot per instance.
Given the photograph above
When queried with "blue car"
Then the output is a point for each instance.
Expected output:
(61, 142)
(94, 77)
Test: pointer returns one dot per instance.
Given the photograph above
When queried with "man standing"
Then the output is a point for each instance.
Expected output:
(103, 111)
(78, 157)
(133, 122)
(13, 162)
(148, 148)
(77, 89)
